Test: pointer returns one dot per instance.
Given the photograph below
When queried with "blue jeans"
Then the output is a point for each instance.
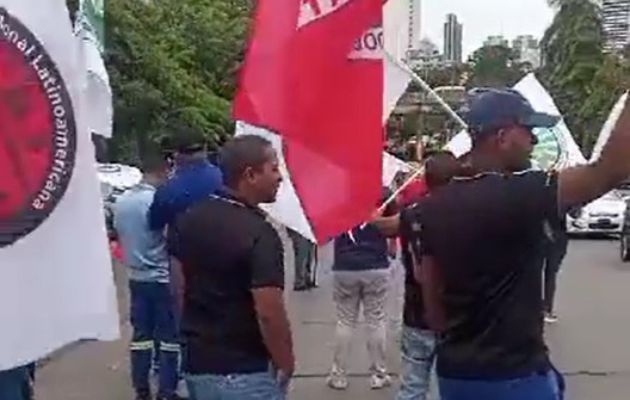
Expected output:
(153, 321)
(256, 386)
(418, 357)
(14, 384)
(548, 386)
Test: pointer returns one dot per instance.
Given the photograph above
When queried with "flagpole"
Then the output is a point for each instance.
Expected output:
(425, 86)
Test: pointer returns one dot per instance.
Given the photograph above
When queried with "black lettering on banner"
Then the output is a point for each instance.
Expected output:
(370, 41)
(28, 207)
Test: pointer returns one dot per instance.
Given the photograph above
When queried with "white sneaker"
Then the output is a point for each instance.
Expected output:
(551, 318)
(182, 390)
(380, 381)
(337, 382)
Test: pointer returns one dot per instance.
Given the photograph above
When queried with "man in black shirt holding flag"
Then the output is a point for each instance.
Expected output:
(482, 241)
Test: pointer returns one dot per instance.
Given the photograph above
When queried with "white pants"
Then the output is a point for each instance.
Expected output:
(351, 290)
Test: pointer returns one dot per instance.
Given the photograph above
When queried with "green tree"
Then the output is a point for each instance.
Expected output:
(572, 52)
(610, 81)
(452, 75)
(172, 63)
(494, 66)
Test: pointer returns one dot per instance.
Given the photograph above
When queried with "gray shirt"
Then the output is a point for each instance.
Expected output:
(144, 249)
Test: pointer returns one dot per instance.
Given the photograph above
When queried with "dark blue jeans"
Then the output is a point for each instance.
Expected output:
(153, 321)
(14, 384)
(548, 386)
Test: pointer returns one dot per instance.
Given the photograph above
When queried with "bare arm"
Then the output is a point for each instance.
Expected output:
(580, 185)
(275, 328)
(389, 226)
(428, 274)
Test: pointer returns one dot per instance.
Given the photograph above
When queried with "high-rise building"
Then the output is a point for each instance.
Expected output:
(525, 42)
(426, 55)
(527, 50)
(415, 18)
(453, 35)
(616, 20)
(496, 40)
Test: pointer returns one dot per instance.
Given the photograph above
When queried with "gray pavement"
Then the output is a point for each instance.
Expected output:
(590, 343)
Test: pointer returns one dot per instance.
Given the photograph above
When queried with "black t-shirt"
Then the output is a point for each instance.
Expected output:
(413, 310)
(487, 235)
(226, 250)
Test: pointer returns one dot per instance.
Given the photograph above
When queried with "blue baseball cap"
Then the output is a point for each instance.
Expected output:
(490, 109)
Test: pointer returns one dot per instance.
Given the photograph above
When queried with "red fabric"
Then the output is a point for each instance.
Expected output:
(116, 251)
(301, 84)
(26, 132)
(413, 193)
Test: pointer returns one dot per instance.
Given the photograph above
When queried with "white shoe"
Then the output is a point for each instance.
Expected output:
(182, 390)
(337, 382)
(380, 381)
(551, 318)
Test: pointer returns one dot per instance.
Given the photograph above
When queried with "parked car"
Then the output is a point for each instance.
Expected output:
(603, 216)
(115, 179)
(624, 189)
(624, 242)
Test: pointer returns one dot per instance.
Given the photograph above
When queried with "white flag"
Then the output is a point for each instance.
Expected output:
(56, 281)
(97, 91)
(551, 141)
(608, 127)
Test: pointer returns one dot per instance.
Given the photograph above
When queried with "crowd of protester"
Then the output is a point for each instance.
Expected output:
(476, 236)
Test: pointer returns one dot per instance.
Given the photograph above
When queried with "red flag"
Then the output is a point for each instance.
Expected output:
(304, 80)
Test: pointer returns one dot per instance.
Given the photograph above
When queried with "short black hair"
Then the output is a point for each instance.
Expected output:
(440, 168)
(240, 153)
(153, 163)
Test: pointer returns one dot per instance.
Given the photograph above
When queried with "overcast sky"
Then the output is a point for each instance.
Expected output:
(482, 18)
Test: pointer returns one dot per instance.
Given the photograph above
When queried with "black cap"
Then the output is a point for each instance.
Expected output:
(188, 140)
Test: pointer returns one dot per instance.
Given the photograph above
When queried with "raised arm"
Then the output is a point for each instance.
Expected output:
(580, 185)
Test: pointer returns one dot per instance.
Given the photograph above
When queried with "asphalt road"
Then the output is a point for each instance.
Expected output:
(589, 343)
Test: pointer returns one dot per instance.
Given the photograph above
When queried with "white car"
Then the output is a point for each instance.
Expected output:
(118, 176)
(604, 215)
(115, 179)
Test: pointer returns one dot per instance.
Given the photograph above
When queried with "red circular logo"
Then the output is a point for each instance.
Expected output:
(37, 132)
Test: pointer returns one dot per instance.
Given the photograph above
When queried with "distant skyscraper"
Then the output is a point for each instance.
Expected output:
(415, 18)
(496, 40)
(527, 50)
(453, 34)
(427, 55)
(616, 19)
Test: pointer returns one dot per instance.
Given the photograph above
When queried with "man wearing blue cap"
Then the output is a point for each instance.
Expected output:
(481, 250)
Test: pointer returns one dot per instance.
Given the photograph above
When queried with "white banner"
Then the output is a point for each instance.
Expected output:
(56, 281)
